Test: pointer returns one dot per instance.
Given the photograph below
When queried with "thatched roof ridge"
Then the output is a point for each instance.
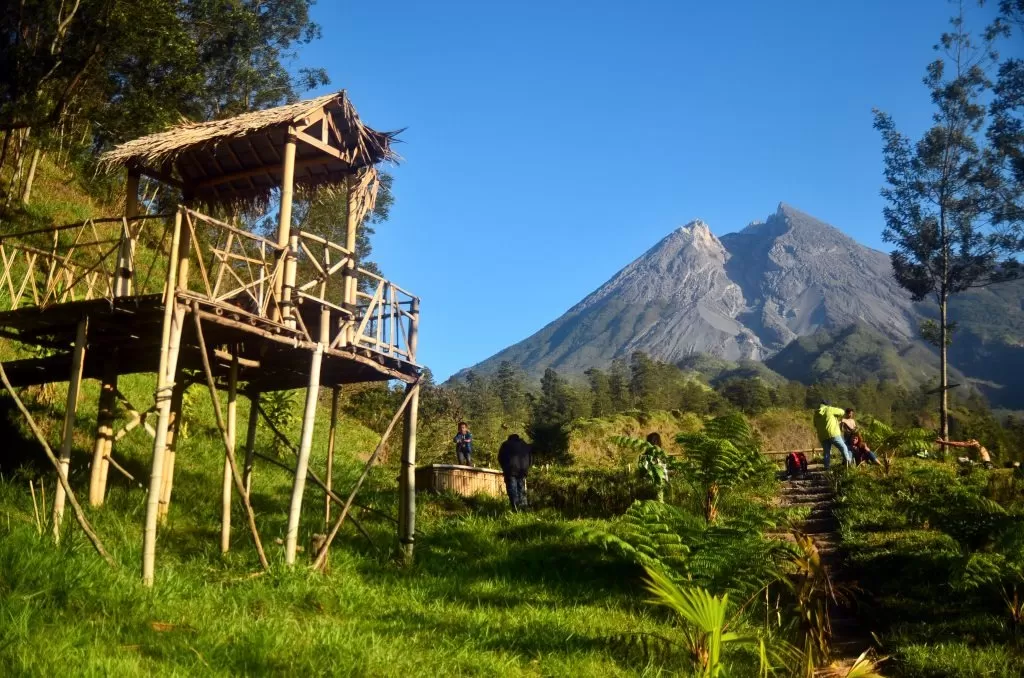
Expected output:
(159, 148)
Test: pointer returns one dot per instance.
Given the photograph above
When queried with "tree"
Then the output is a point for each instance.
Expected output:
(618, 385)
(953, 211)
(601, 393)
(509, 384)
(551, 412)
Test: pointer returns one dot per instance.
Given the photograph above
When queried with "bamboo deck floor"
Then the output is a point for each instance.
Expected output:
(272, 356)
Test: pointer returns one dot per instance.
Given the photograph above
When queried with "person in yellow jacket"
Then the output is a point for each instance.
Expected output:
(826, 423)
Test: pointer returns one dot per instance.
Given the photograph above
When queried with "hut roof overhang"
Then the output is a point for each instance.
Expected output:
(241, 159)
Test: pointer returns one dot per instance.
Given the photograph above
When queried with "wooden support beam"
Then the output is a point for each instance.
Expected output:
(335, 397)
(232, 424)
(170, 340)
(104, 442)
(70, 411)
(61, 476)
(302, 465)
(407, 477)
(228, 449)
(321, 557)
(173, 436)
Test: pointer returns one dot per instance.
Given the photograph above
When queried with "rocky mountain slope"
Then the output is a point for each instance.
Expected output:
(747, 295)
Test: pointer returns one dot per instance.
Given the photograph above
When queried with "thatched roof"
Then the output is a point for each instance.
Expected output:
(239, 159)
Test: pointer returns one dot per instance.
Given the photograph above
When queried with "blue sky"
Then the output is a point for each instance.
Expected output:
(548, 144)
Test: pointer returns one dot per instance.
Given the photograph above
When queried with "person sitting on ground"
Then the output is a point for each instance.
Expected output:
(983, 456)
(464, 445)
(861, 452)
(826, 423)
(515, 458)
(848, 426)
(796, 464)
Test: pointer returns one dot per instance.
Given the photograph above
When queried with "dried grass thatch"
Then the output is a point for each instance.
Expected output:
(238, 160)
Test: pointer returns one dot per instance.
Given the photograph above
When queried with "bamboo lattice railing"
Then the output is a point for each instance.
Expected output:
(228, 268)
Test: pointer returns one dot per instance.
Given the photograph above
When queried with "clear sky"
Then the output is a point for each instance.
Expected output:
(549, 143)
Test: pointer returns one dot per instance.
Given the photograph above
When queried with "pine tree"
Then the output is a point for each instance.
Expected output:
(953, 199)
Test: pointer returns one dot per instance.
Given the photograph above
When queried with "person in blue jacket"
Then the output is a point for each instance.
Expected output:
(464, 445)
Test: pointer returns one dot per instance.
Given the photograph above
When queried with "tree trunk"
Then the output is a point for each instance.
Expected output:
(943, 368)
(26, 194)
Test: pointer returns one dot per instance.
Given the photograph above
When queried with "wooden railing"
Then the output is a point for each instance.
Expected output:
(93, 259)
(222, 266)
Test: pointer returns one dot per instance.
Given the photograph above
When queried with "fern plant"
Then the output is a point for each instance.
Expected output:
(722, 456)
(888, 442)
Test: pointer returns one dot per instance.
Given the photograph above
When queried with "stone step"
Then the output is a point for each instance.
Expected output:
(819, 526)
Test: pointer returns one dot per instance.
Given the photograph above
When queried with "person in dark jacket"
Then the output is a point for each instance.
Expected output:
(515, 458)
(464, 445)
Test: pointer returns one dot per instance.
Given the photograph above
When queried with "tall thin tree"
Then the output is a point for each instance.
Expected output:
(953, 211)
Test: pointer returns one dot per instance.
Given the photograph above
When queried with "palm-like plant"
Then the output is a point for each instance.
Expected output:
(704, 629)
(888, 442)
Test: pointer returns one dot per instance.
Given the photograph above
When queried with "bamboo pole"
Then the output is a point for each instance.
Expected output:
(173, 436)
(305, 444)
(407, 478)
(284, 222)
(61, 477)
(228, 449)
(250, 440)
(170, 337)
(104, 442)
(321, 557)
(225, 506)
(335, 393)
(74, 385)
(126, 253)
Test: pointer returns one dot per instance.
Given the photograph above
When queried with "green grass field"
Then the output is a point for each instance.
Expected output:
(490, 592)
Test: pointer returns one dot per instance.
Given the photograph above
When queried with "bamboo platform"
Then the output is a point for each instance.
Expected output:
(271, 356)
(196, 299)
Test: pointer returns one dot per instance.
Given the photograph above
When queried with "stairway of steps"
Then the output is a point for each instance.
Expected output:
(813, 490)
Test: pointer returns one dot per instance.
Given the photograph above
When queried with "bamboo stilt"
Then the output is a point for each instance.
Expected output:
(407, 477)
(305, 445)
(169, 348)
(335, 393)
(321, 557)
(250, 440)
(173, 435)
(61, 476)
(74, 385)
(225, 515)
(104, 434)
(228, 449)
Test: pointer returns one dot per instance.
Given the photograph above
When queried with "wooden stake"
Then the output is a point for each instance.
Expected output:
(228, 449)
(170, 339)
(250, 439)
(225, 503)
(305, 445)
(61, 477)
(74, 385)
(35, 507)
(335, 393)
(321, 557)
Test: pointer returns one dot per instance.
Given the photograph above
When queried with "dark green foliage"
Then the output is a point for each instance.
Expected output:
(937, 562)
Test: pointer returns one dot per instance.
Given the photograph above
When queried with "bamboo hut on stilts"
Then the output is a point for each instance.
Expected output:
(220, 301)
